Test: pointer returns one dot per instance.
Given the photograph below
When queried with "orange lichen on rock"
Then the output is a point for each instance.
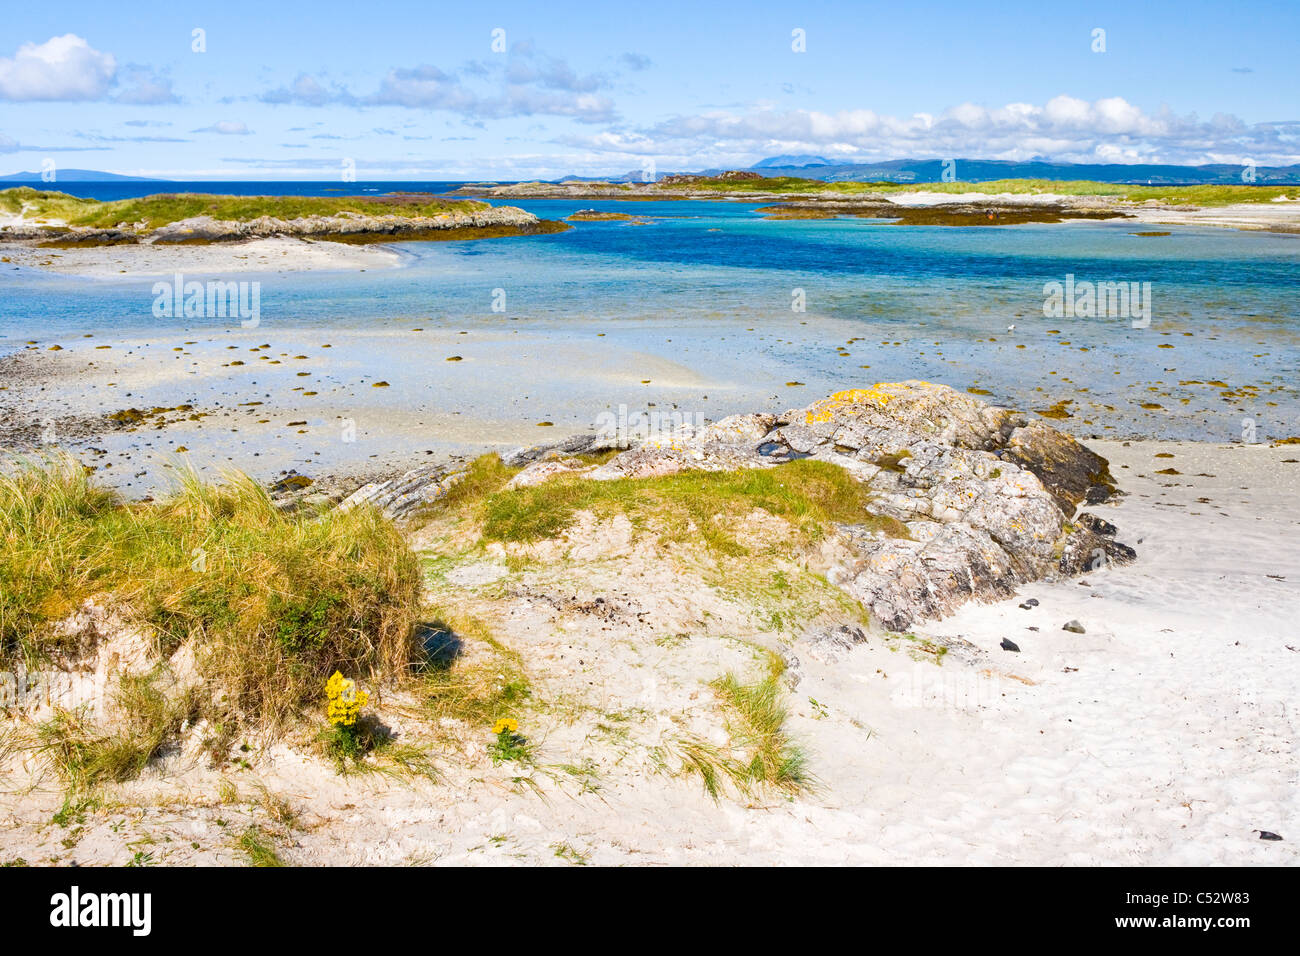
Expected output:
(879, 395)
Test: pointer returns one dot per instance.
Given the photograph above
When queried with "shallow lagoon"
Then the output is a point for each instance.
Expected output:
(698, 300)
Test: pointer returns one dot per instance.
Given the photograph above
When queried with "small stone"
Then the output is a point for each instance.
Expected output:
(1074, 627)
(1267, 835)
(1008, 645)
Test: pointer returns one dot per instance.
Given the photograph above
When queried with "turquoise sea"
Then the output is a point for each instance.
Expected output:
(716, 286)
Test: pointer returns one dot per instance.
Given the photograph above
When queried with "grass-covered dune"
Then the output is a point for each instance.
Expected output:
(164, 208)
(704, 506)
(271, 602)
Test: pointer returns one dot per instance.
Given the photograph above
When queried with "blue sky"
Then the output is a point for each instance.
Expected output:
(416, 90)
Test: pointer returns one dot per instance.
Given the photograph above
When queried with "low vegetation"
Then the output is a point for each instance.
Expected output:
(759, 753)
(163, 208)
(809, 494)
(272, 602)
(1205, 195)
(86, 756)
(469, 677)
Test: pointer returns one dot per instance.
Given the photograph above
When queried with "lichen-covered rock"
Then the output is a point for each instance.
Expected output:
(987, 496)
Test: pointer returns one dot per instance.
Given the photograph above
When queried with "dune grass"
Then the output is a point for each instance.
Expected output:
(760, 753)
(163, 208)
(86, 756)
(258, 848)
(469, 676)
(273, 602)
(809, 494)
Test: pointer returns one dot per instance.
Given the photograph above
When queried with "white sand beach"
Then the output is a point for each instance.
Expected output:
(1162, 734)
(282, 254)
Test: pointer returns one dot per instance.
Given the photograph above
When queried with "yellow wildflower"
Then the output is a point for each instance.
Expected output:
(345, 701)
(505, 725)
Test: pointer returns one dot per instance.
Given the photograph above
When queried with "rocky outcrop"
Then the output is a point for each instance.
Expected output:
(348, 225)
(403, 496)
(816, 203)
(988, 497)
(482, 220)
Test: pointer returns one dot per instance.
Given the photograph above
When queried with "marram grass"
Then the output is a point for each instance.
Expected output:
(273, 602)
(760, 754)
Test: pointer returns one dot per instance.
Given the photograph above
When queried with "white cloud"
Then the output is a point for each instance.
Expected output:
(140, 86)
(61, 68)
(1064, 129)
(526, 83)
(226, 128)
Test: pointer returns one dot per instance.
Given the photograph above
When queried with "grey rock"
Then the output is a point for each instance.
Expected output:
(588, 444)
(832, 644)
(401, 497)
(969, 501)
(1074, 627)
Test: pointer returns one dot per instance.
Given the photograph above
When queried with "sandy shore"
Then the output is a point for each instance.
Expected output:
(1269, 216)
(1163, 734)
(344, 405)
(255, 255)
(1277, 216)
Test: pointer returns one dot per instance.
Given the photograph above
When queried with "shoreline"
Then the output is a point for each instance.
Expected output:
(930, 207)
(319, 404)
(272, 254)
(1157, 734)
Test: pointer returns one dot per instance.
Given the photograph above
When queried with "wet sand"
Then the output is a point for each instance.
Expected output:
(255, 255)
(342, 406)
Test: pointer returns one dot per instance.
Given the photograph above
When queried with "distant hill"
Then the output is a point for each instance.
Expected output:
(77, 176)
(791, 162)
(983, 170)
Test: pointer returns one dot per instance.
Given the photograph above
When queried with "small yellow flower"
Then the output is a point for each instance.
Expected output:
(345, 701)
(505, 725)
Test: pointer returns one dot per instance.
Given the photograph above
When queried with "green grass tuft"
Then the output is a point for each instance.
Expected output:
(809, 494)
(760, 754)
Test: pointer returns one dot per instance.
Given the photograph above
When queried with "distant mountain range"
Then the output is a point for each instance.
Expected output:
(791, 162)
(894, 170)
(983, 170)
(75, 176)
